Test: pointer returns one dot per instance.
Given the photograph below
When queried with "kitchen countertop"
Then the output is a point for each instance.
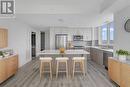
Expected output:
(66, 52)
(7, 56)
(125, 61)
(109, 50)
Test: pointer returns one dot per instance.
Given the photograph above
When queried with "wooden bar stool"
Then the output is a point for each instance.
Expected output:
(81, 61)
(45, 60)
(62, 60)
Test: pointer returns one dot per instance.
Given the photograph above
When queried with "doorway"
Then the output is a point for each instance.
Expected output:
(42, 41)
(33, 45)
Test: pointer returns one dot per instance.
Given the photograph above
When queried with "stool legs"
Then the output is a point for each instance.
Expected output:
(66, 67)
(82, 67)
(57, 68)
(42, 68)
(50, 70)
(73, 68)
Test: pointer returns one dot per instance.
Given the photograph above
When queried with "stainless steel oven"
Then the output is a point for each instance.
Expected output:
(77, 37)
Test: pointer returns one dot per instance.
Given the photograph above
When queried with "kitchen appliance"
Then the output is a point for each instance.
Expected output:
(61, 41)
(78, 47)
(79, 44)
(105, 58)
(77, 37)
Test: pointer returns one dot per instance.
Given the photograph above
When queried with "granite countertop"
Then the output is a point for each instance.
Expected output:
(122, 61)
(7, 56)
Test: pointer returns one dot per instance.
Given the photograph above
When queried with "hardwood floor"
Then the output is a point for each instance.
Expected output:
(28, 76)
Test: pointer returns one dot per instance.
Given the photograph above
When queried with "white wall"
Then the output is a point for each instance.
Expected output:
(101, 19)
(18, 38)
(47, 39)
(122, 38)
(86, 32)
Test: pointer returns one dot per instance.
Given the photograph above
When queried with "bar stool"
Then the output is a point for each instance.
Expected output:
(81, 61)
(62, 60)
(45, 60)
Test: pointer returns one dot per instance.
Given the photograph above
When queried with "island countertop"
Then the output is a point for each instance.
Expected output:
(66, 52)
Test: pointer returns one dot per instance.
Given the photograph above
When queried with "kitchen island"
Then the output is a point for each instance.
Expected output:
(69, 53)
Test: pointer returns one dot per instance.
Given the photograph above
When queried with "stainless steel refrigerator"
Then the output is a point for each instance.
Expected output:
(61, 40)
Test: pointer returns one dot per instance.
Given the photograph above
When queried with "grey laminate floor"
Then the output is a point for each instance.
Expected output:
(28, 76)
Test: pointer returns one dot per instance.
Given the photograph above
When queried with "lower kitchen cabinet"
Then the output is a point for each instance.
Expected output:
(125, 75)
(96, 55)
(12, 65)
(114, 70)
(3, 72)
(119, 72)
(8, 67)
(100, 56)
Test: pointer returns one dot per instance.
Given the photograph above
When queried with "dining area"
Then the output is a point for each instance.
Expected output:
(61, 62)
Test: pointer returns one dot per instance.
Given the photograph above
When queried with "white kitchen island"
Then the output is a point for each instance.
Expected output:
(70, 53)
(67, 52)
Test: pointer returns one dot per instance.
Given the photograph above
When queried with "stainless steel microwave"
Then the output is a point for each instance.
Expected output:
(77, 37)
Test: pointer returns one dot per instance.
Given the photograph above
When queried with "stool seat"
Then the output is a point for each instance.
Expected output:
(62, 58)
(78, 58)
(45, 58)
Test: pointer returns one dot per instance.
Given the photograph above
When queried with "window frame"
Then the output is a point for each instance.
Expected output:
(108, 34)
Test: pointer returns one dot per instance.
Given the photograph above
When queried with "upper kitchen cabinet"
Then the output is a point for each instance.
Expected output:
(3, 38)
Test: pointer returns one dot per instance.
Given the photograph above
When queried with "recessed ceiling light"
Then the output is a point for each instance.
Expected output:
(60, 20)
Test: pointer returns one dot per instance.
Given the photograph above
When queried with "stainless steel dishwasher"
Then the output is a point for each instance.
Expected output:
(106, 54)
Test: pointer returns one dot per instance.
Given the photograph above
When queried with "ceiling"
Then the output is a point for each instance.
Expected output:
(57, 6)
(45, 20)
(43, 13)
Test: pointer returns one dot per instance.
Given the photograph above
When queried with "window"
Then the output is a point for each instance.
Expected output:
(104, 34)
(107, 34)
(111, 40)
